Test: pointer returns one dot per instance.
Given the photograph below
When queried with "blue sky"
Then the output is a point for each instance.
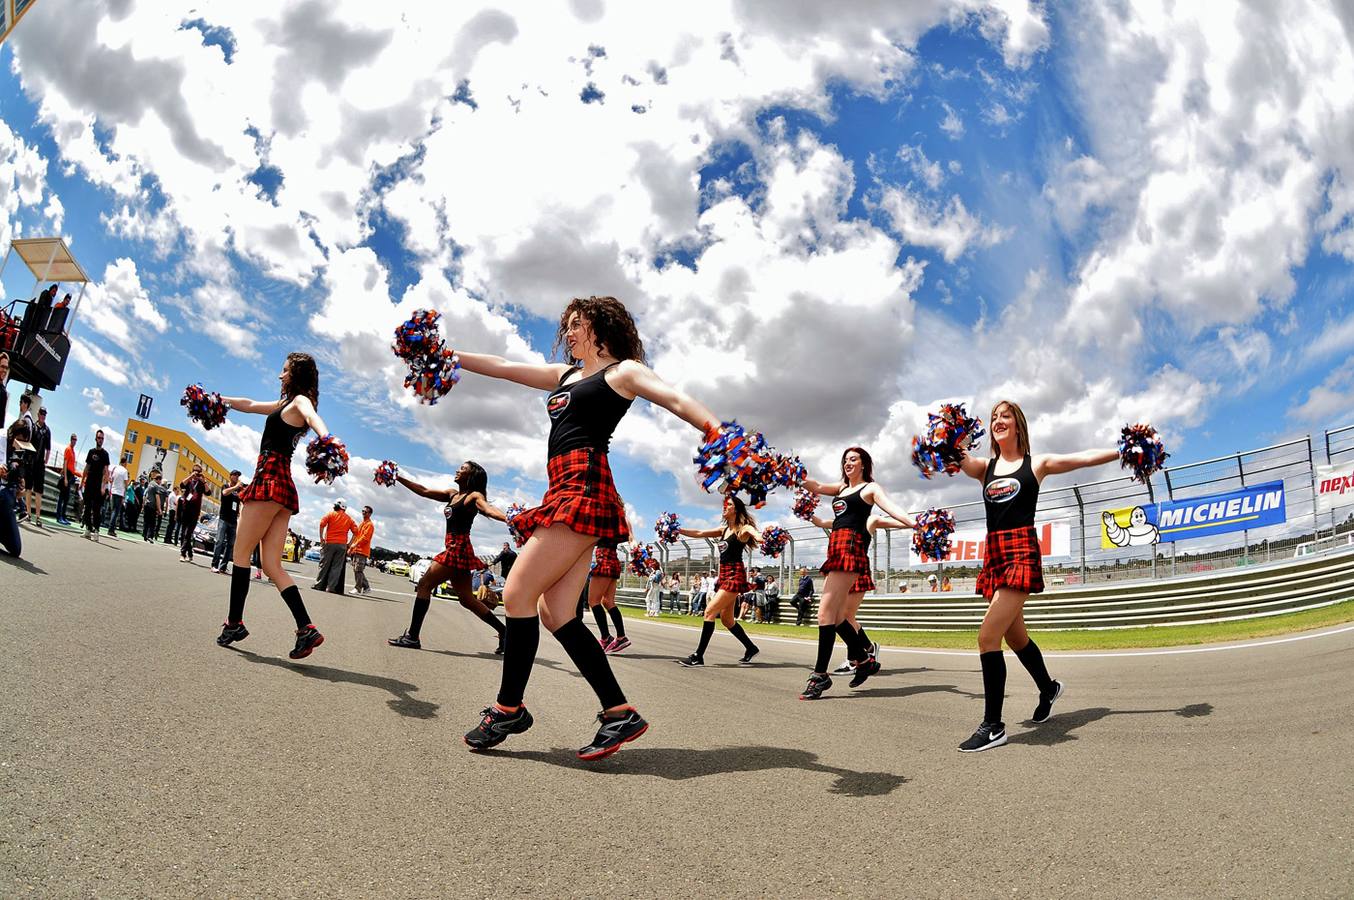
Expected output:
(824, 228)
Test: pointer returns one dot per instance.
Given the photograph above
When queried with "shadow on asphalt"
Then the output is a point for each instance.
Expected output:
(401, 703)
(912, 690)
(23, 564)
(682, 764)
(1058, 730)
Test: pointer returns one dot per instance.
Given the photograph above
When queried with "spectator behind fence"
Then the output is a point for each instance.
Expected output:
(771, 612)
(802, 601)
(652, 591)
(945, 585)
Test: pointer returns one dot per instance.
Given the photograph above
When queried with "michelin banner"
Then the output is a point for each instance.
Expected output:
(1334, 487)
(1055, 540)
(1177, 520)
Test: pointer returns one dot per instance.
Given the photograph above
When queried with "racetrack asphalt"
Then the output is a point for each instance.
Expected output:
(139, 759)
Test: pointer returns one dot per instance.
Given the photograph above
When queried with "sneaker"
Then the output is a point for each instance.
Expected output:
(606, 640)
(87, 536)
(232, 633)
(619, 644)
(38, 522)
(874, 649)
(692, 662)
(307, 639)
(1044, 710)
(405, 640)
(495, 726)
(747, 657)
(864, 671)
(845, 668)
(988, 735)
(94, 536)
(618, 728)
(22, 516)
(814, 689)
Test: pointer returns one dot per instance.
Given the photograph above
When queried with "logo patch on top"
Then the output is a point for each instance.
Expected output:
(722, 545)
(557, 404)
(838, 507)
(1002, 490)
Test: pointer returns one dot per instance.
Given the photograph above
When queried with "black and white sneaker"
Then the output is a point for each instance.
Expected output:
(845, 668)
(747, 657)
(1044, 710)
(232, 633)
(405, 640)
(814, 689)
(618, 728)
(865, 670)
(874, 648)
(988, 735)
(495, 726)
(692, 662)
(307, 639)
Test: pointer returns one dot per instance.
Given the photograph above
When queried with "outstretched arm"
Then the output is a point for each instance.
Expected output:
(1058, 463)
(245, 405)
(820, 521)
(973, 466)
(885, 522)
(488, 509)
(702, 533)
(542, 376)
(830, 490)
(881, 499)
(430, 493)
(638, 379)
(312, 418)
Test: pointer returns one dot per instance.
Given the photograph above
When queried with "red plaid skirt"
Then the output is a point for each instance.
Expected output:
(581, 496)
(605, 563)
(846, 552)
(459, 554)
(272, 482)
(1012, 560)
(733, 577)
(863, 584)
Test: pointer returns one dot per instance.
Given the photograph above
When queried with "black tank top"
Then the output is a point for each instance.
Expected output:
(584, 413)
(731, 549)
(1010, 499)
(460, 516)
(278, 436)
(852, 511)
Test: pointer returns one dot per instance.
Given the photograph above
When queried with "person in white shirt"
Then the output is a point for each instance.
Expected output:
(118, 489)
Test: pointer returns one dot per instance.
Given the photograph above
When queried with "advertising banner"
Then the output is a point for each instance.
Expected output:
(1177, 520)
(1334, 487)
(970, 545)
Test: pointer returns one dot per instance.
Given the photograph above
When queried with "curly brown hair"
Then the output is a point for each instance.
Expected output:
(303, 380)
(612, 327)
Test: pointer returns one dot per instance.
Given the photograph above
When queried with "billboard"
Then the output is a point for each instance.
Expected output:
(1334, 486)
(970, 545)
(1177, 520)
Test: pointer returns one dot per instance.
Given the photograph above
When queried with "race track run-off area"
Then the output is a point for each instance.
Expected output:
(140, 759)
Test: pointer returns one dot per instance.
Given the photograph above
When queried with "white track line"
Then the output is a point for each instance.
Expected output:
(1178, 651)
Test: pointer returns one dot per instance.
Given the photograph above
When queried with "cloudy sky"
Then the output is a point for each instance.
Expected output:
(825, 217)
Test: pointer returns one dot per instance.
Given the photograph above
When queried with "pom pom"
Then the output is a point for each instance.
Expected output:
(743, 461)
(642, 560)
(206, 408)
(774, 539)
(805, 505)
(1141, 451)
(326, 459)
(434, 369)
(386, 473)
(949, 434)
(512, 512)
(931, 537)
(666, 528)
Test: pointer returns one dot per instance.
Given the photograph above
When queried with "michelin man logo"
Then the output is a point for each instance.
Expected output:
(1139, 533)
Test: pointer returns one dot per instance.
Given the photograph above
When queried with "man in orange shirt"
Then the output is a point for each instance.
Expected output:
(335, 527)
(69, 479)
(360, 551)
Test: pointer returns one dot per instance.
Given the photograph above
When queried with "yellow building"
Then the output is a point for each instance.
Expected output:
(141, 450)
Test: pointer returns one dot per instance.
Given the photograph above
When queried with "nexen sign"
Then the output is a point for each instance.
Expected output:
(1334, 487)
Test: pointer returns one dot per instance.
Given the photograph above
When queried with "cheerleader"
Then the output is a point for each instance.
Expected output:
(846, 559)
(606, 570)
(457, 560)
(736, 537)
(588, 396)
(863, 584)
(269, 501)
(1012, 569)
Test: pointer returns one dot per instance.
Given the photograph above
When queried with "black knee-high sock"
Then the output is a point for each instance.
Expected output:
(617, 620)
(239, 589)
(599, 613)
(827, 636)
(738, 632)
(994, 684)
(492, 621)
(519, 655)
(1033, 661)
(421, 605)
(864, 638)
(591, 661)
(292, 597)
(707, 632)
(856, 649)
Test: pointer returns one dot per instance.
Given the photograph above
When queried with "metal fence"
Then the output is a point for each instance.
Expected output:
(1081, 506)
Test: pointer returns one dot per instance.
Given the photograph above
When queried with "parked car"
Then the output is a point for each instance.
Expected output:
(204, 535)
(397, 567)
(313, 554)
